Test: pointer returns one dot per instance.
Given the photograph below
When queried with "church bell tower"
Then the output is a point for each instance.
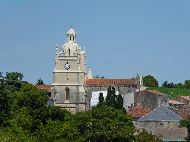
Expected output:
(69, 75)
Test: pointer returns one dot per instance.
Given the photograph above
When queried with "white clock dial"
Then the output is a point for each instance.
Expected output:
(67, 66)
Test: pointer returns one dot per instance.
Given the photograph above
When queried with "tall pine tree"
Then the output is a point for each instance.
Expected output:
(119, 101)
(111, 97)
(101, 99)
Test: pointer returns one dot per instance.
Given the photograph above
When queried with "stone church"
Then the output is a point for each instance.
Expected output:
(73, 84)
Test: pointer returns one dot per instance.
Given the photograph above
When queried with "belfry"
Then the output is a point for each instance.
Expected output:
(69, 75)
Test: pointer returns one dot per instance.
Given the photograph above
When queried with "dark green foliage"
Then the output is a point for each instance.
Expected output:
(40, 82)
(186, 123)
(150, 81)
(144, 136)
(172, 85)
(44, 114)
(111, 97)
(30, 97)
(14, 76)
(5, 101)
(13, 81)
(168, 85)
(119, 102)
(172, 92)
(104, 124)
(56, 131)
(179, 85)
(101, 98)
(113, 100)
(187, 84)
(25, 116)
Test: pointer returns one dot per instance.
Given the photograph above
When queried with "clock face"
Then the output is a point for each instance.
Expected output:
(67, 66)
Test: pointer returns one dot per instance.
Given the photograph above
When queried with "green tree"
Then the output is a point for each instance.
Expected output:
(1, 76)
(111, 97)
(186, 123)
(5, 101)
(21, 118)
(104, 124)
(14, 76)
(13, 81)
(144, 136)
(119, 102)
(15, 134)
(56, 131)
(31, 97)
(4, 106)
(168, 85)
(44, 114)
(40, 82)
(101, 98)
(187, 84)
(150, 81)
(179, 85)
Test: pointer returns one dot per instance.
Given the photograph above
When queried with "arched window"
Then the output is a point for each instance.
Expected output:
(69, 52)
(67, 91)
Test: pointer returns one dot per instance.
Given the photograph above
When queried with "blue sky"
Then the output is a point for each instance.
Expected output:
(122, 38)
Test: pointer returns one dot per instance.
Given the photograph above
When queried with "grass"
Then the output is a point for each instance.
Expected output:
(172, 92)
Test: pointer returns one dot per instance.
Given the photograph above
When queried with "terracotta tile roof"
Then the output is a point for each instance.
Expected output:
(44, 87)
(108, 82)
(156, 92)
(138, 111)
(185, 97)
(175, 102)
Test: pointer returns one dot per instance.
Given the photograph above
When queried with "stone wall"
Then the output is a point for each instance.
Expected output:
(150, 100)
(151, 126)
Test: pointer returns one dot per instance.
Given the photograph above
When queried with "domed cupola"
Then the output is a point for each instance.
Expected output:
(71, 35)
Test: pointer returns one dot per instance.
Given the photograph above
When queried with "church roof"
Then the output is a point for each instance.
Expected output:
(161, 113)
(108, 82)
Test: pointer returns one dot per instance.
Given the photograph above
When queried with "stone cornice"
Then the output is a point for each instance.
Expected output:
(61, 71)
(63, 84)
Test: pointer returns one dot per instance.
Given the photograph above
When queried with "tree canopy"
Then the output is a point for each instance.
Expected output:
(150, 81)
(25, 116)
(40, 82)
(186, 123)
